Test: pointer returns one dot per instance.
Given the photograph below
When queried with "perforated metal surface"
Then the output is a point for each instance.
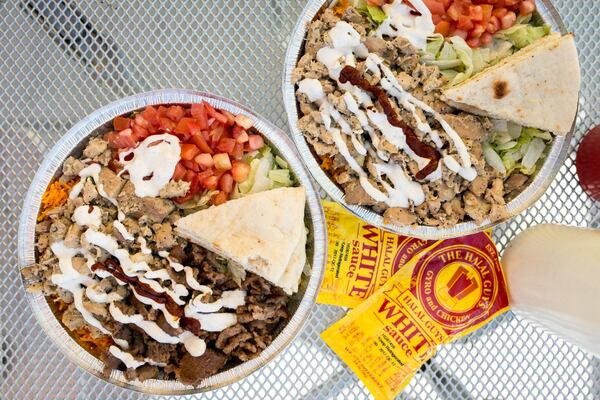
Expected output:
(60, 60)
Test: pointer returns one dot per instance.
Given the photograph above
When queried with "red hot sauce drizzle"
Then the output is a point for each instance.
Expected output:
(352, 75)
(143, 289)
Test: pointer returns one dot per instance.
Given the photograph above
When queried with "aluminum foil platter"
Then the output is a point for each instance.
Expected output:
(61, 60)
(532, 193)
(73, 142)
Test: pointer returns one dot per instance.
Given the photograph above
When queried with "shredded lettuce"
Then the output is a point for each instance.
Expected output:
(517, 149)
(522, 35)
(458, 62)
(267, 171)
(376, 14)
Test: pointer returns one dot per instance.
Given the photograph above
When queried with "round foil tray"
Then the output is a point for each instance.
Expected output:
(543, 179)
(72, 143)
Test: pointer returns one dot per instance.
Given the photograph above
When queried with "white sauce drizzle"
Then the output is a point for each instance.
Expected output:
(215, 322)
(91, 171)
(229, 299)
(69, 279)
(156, 158)
(401, 22)
(87, 316)
(193, 344)
(97, 295)
(122, 230)
(346, 44)
(189, 273)
(109, 244)
(143, 246)
(83, 217)
(126, 358)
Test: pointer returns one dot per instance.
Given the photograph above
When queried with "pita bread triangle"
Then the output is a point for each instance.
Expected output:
(263, 232)
(537, 87)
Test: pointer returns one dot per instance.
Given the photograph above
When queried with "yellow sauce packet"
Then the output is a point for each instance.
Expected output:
(360, 258)
(444, 291)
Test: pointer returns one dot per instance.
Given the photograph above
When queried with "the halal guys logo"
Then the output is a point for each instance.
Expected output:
(456, 285)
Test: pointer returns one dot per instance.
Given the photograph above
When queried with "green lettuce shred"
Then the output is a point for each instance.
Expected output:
(524, 152)
(267, 171)
(522, 35)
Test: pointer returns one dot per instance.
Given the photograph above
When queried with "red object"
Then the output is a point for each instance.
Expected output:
(210, 182)
(470, 19)
(226, 145)
(189, 151)
(121, 140)
(240, 171)
(175, 113)
(179, 172)
(199, 141)
(204, 160)
(255, 142)
(226, 182)
(587, 163)
(219, 198)
(121, 123)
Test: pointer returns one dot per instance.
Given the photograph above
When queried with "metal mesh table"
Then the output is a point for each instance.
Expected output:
(61, 59)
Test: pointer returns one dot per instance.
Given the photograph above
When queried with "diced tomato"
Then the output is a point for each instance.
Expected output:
(220, 197)
(446, 3)
(463, 34)
(226, 182)
(189, 175)
(511, 3)
(255, 142)
(453, 12)
(240, 171)
(436, 18)
(376, 3)
(493, 25)
(476, 13)
(222, 161)
(226, 145)
(487, 11)
(121, 140)
(179, 172)
(185, 125)
(443, 27)
(183, 199)
(121, 123)
(230, 117)
(210, 182)
(162, 111)
(464, 23)
(435, 7)
(241, 136)
(244, 121)
(477, 31)
(189, 151)
(165, 124)
(139, 133)
(194, 126)
(486, 38)
(175, 113)
(204, 160)
(526, 7)
(499, 12)
(199, 141)
(214, 113)
(205, 174)
(199, 112)
(238, 151)
(141, 121)
(151, 115)
(473, 42)
(216, 133)
(194, 185)
(508, 20)
(191, 165)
